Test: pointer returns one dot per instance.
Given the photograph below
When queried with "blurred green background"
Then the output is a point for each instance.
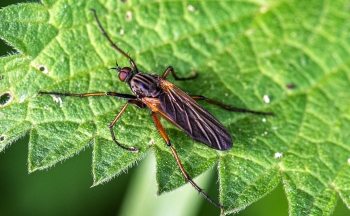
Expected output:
(65, 188)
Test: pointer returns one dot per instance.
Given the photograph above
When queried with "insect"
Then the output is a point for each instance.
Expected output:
(168, 101)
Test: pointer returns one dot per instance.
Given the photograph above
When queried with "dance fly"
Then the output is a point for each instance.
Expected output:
(166, 100)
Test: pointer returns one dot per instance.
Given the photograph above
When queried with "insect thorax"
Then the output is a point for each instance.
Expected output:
(145, 85)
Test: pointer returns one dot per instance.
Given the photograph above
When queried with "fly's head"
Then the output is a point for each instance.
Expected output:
(124, 74)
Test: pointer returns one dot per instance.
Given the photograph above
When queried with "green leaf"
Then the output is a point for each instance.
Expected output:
(291, 58)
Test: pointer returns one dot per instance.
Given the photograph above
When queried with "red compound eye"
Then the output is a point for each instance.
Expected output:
(124, 73)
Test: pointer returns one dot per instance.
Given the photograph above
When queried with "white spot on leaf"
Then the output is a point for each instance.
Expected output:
(278, 155)
(22, 99)
(191, 8)
(266, 99)
(128, 16)
(57, 100)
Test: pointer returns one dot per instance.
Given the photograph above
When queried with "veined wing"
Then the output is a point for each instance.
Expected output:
(185, 113)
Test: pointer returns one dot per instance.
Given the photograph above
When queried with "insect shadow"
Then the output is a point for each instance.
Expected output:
(170, 102)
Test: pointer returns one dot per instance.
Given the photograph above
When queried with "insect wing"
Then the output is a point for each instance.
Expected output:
(185, 113)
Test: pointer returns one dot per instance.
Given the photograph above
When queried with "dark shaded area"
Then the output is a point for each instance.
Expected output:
(62, 190)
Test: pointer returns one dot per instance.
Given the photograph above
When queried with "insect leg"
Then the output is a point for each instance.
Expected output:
(113, 44)
(227, 107)
(187, 177)
(134, 102)
(114, 94)
(171, 69)
(137, 103)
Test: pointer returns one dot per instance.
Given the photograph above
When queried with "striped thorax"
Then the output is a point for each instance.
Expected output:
(145, 85)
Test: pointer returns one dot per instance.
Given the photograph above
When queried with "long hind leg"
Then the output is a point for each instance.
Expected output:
(187, 177)
(229, 108)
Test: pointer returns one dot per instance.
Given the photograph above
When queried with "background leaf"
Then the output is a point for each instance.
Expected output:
(242, 51)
